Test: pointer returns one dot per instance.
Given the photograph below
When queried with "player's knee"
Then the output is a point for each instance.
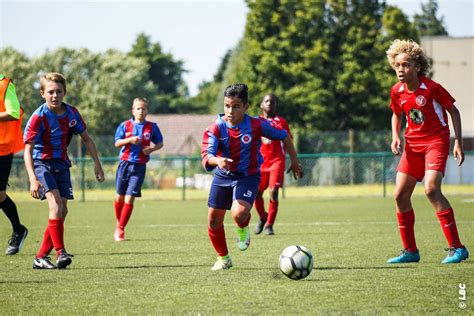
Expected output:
(432, 192)
(401, 196)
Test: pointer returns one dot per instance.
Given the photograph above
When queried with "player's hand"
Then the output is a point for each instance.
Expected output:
(99, 173)
(395, 146)
(297, 170)
(36, 189)
(224, 163)
(135, 140)
(458, 152)
(147, 150)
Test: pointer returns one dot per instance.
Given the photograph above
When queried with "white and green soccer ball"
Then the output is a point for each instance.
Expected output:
(296, 262)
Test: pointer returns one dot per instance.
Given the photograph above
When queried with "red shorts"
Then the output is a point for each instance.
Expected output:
(416, 159)
(273, 177)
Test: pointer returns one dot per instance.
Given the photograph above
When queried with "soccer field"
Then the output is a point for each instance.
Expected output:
(164, 266)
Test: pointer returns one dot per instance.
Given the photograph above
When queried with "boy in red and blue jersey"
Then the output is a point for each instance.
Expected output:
(231, 147)
(425, 103)
(47, 135)
(273, 167)
(135, 136)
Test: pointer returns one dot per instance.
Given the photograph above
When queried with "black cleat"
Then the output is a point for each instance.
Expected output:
(269, 230)
(64, 259)
(16, 241)
(43, 263)
(259, 226)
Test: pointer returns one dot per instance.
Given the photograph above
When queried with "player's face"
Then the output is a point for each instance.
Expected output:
(268, 105)
(53, 93)
(234, 110)
(405, 68)
(139, 111)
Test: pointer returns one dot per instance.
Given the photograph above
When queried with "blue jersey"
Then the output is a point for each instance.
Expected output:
(147, 131)
(241, 143)
(52, 133)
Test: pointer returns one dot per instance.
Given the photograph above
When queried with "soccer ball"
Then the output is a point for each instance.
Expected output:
(296, 262)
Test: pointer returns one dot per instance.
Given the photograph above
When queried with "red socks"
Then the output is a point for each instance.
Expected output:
(406, 225)
(272, 212)
(448, 225)
(118, 210)
(125, 215)
(46, 245)
(217, 237)
(260, 206)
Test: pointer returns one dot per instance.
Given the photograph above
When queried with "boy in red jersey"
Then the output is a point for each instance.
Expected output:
(273, 167)
(424, 103)
(231, 147)
(135, 137)
(47, 135)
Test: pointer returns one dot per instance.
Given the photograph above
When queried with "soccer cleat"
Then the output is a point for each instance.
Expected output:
(259, 226)
(269, 230)
(63, 259)
(16, 241)
(456, 255)
(243, 241)
(43, 263)
(222, 263)
(406, 257)
(119, 234)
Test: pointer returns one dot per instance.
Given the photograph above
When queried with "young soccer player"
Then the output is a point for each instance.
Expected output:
(424, 103)
(11, 115)
(47, 135)
(273, 167)
(231, 147)
(135, 136)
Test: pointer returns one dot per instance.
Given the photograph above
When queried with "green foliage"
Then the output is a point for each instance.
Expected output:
(427, 23)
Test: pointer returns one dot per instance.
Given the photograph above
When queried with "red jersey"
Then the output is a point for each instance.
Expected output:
(273, 150)
(425, 110)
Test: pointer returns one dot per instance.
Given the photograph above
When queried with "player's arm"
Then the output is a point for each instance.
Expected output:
(12, 105)
(148, 150)
(35, 185)
(129, 140)
(295, 165)
(90, 145)
(458, 150)
(396, 141)
(157, 141)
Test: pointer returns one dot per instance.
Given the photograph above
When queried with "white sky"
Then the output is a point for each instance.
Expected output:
(198, 32)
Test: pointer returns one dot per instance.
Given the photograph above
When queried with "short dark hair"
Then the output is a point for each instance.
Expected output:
(239, 90)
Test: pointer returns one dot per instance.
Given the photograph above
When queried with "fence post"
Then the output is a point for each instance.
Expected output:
(384, 172)
(83, 180)
(183, 173)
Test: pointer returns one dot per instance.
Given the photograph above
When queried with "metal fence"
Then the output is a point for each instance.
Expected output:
(184, 177)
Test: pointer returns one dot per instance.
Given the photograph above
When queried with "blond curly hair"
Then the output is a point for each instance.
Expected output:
(413, 50)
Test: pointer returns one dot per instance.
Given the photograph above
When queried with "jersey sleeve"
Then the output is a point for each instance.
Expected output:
(442, 96)
(120, 132)
(80, 126)
(395, 102)
(33, 130)
(209, 146)
(12, 104)
(156, 137)
(272, 132)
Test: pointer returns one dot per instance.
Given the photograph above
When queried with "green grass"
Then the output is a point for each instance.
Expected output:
(164, 266)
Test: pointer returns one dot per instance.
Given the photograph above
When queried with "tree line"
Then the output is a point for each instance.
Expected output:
(324, 59)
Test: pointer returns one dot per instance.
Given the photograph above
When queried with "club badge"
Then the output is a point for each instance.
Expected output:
(246, 138)
(416, 116)
(420, 100)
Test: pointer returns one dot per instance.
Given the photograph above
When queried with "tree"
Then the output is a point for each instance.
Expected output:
(427, 23)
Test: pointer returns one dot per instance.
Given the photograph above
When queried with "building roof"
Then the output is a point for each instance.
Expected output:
(182, 133)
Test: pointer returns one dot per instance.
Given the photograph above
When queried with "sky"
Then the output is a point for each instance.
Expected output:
(197, 32)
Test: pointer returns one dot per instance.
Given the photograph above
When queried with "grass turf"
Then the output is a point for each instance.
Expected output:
(164, 266)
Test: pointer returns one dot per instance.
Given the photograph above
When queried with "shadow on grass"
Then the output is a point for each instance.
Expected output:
(122, 253)
(26, 282)
(154, 266)
(365, 268)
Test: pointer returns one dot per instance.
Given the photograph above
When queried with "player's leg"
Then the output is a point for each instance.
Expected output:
(436, 158)
(63, 258)
(275, 183)
(410, 170)
(244, 193)
(220, 200)
(260, 203)
(122, 177)
(9, 208)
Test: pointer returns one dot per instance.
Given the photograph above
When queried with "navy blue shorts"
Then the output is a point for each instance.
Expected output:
(224, 191)
(54, 175)
(5, 167)
(129, 178)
